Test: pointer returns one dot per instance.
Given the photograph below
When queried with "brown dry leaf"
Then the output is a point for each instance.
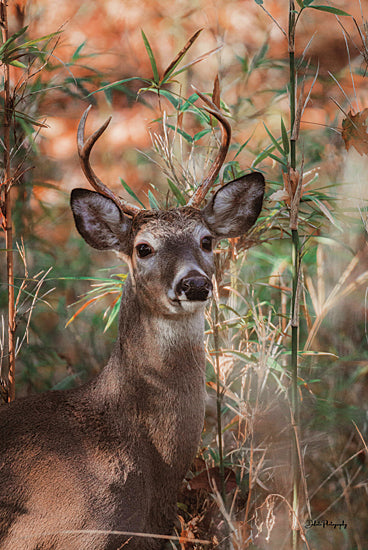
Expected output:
(182, 52)
(186, 535)
(290, 186)
(354, 131)
(216, 92)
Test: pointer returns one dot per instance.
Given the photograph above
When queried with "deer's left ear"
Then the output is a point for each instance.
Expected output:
(99, 221)
(236, 206)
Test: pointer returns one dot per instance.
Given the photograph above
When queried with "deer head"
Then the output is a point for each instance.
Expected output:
(169, 252)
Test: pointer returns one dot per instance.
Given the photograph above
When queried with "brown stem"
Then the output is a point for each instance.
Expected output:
(8, 214)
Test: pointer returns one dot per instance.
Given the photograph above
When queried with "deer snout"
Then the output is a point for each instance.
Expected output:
(195, 287)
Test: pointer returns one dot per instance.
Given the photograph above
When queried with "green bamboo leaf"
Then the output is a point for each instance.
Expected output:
(76, 55)
(152, 201)
(189, 103)
(131, 192)
(243, 145)
(26, 47)
(203, 117)
(277, 159)
(274, 141)
(17, 64)
(259, 58)
(93, 279)
(200, 134)
(232, 170)
(29, 120)
(152, 59)
(244, 62)
(41, 39)
(301, 4)
(118, 82)
(176, 102)
(263, 155)
(177, 193)
(113, 314)
(330, 9)
(12, 38)
(285, 138)
(186, 136)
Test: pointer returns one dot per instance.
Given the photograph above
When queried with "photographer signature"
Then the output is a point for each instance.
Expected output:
(325, 523)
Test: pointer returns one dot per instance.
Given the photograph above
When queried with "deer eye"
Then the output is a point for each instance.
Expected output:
(206, 244)
(144, 250)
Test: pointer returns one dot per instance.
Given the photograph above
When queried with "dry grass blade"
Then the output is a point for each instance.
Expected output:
(199, 59)
(337, 293)
(39, 283)
(334, 471)
(227, 516)
(181, 54)
(361, 437)
(343, 92)
(345, 486)
(84, 306)
(269, 523)
(179, 169)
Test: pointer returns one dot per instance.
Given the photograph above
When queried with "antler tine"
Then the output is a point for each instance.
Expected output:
(84, 150)
(207, 183)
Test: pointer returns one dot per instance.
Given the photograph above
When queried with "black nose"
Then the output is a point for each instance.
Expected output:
(195, 287)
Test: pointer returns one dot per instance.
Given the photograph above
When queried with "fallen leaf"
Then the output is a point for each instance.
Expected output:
(354, 131)
(287, 194)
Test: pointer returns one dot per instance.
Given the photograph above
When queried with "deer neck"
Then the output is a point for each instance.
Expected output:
(156, 378)
(151, 342)
(154, 348)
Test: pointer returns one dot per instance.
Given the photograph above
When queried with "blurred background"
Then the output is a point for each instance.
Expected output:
(156, 148)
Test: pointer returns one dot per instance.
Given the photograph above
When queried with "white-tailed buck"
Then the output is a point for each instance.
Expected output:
(78, 466)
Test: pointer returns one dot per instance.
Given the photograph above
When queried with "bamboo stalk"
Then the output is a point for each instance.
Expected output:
(219, 401)
(295, 287)
(7, 184)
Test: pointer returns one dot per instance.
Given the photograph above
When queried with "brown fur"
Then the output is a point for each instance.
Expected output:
(110, 455)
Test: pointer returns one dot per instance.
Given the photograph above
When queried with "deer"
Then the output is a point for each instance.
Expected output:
(98, 467)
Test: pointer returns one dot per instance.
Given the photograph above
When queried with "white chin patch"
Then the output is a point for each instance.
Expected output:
(190, 306)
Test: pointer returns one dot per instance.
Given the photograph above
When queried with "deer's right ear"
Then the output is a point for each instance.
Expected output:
(235, 207)
(99, 221)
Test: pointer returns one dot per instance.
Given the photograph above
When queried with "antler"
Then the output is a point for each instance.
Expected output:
(207, 183)
(84, 150)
